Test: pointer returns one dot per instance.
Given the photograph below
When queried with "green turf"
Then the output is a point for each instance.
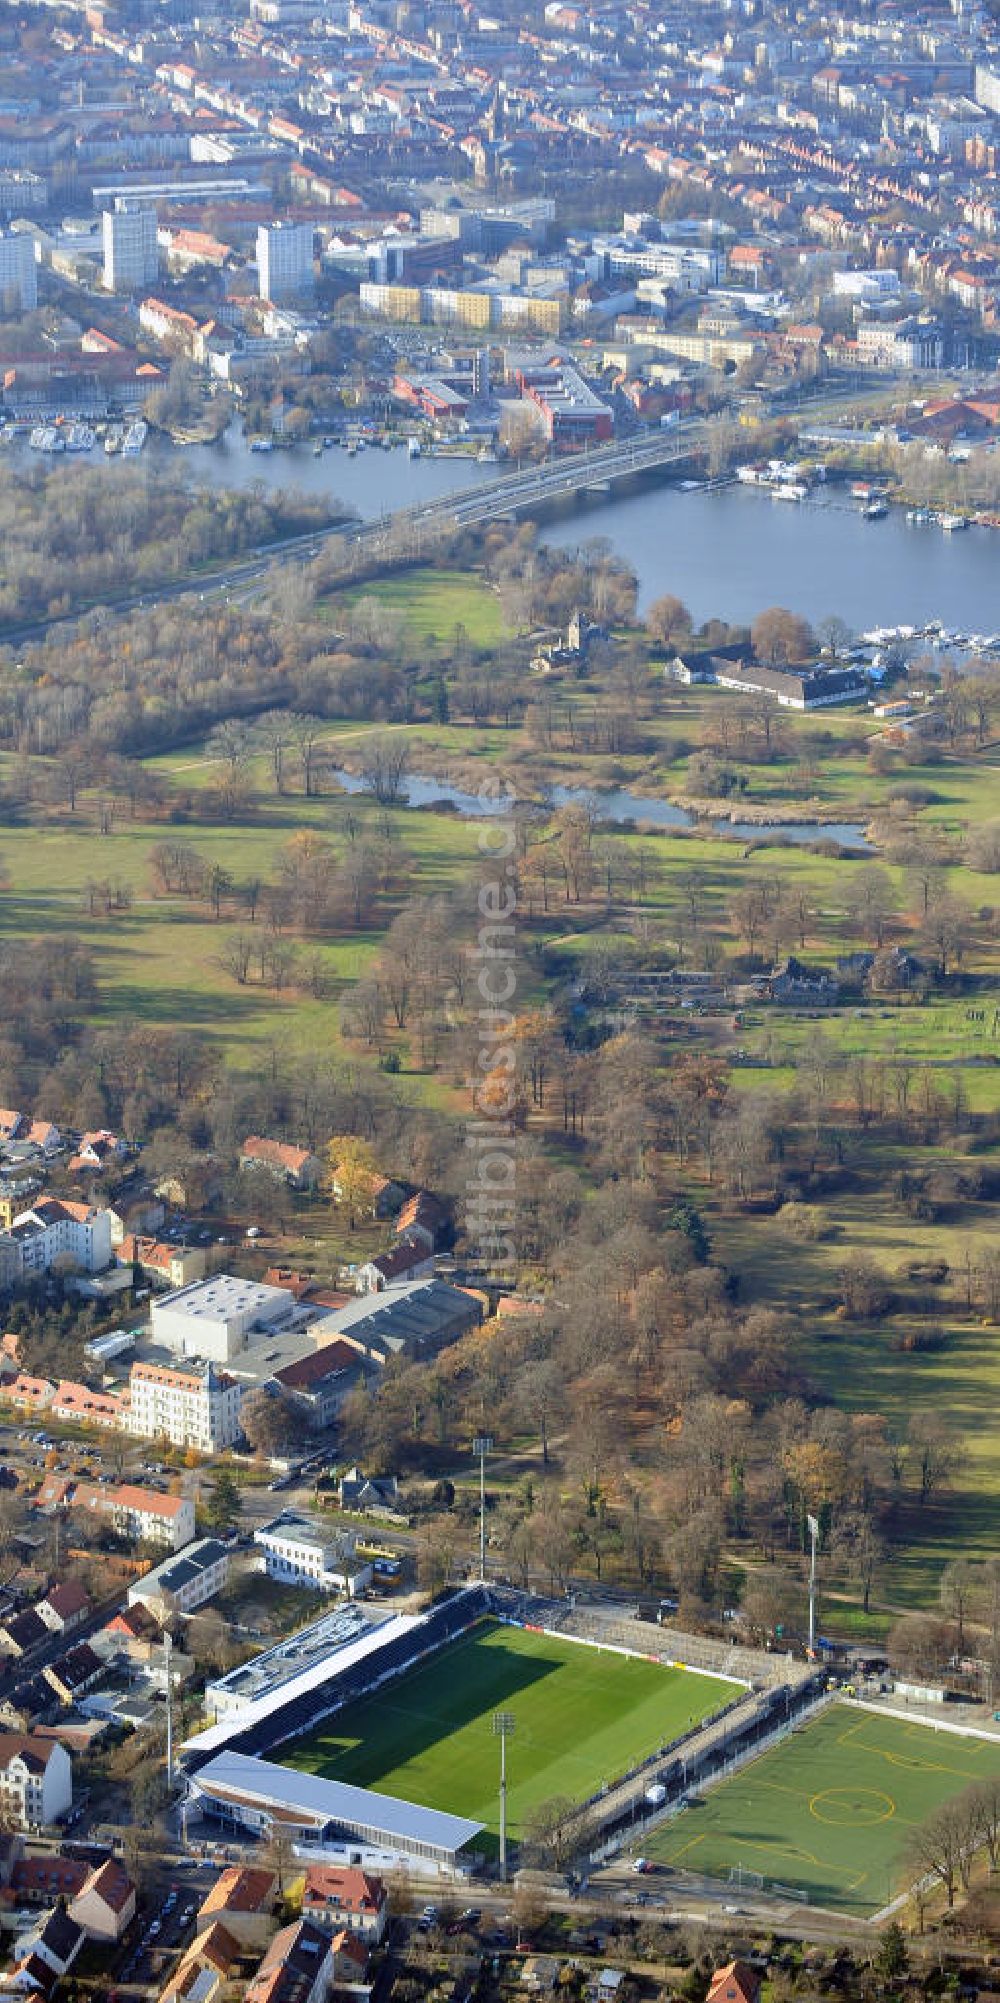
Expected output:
(434, 604)
(583, 1716)
(830, 1811)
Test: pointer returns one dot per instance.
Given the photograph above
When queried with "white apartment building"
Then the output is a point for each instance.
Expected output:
(18, 271)
(36, 1781)
(182, 1583)
(55, 1229)
(285, 259)
(131, 258)
(197, 1407)
(151, 1518)
(298, 1554)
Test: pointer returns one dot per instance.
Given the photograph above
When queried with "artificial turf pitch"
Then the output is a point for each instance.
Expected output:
(829, 1811)
(582, 1716)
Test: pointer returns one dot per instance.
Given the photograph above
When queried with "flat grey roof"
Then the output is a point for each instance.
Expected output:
(224, 1295)
(265, 1782)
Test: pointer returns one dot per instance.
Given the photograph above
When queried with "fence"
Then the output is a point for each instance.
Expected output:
(774, 1714)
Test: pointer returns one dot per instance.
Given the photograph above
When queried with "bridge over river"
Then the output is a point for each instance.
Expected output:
(409, 530)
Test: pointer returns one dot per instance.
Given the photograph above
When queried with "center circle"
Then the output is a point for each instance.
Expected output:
(858, 1806)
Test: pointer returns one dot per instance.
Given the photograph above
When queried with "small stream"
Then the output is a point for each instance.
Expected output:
(619, 805)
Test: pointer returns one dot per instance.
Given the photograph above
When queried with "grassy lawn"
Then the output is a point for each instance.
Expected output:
(830, 1811)
(432, 604)
(582, 1717)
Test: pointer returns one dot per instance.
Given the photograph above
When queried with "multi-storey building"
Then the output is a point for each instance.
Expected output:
(17, 271)
(55, 1229)
(129, 239)
(197, 1407)
(36, 1781)
(150, 1518)
(284, 259)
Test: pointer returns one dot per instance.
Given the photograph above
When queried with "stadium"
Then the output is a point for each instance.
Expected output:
(377, 1738)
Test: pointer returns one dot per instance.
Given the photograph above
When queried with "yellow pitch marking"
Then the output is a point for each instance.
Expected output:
(857, 1807)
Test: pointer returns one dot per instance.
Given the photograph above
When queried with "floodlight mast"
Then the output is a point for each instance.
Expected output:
(504, 1727)
(813, 1528)
(482, 1445)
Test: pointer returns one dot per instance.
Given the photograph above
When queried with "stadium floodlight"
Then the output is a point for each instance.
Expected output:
(482, 1445)
(813, 1528)
(504, 1727)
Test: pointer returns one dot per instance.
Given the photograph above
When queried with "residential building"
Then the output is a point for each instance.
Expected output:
(11, 1264)
(36, 1781)
(297, 1553)
(41, 1879)
(297, 1968)
(148, 1517)
(242, 1899)
(217, 1319)
(379, 1196)
(105, 1904)
(195, 1406)
(131, 256)
(345, 1896)
(18, 280)
(82, 1406)
(204, 1970)
(406, 1261)
(184, 1582)
(56, 1229)
(737, 1982)
(285, 260)
(72, 1674)
(21, 1634)
(370, 1495)
(41, 1960)
(65, 1605)
(296, 1166)
(172, 1265)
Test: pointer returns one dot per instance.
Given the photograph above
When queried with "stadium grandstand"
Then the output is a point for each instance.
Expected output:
(256, 1794)
(290, 1689)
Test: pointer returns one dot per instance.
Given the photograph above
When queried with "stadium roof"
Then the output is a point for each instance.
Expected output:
(263, 1687)
(398, 1824)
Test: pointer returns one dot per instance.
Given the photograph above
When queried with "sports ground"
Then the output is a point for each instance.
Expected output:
(582, 1716)
(830, 1811)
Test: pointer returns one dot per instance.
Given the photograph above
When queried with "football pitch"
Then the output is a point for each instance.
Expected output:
(582, 1716)
(830, 1811)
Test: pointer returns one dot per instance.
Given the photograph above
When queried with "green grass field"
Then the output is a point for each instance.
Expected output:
(830, 1811)
(582, 1717)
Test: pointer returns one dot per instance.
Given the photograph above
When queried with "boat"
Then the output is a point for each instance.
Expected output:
(113, 440)
(413, 448)
(790, 490)
(46, 438)
(318, 449)
(135, 438)
(918, 515)
(875, 511)
(951, 523)
(80, 438)
(262, 444)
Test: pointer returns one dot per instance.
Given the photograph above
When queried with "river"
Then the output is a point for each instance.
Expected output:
(726, 553)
